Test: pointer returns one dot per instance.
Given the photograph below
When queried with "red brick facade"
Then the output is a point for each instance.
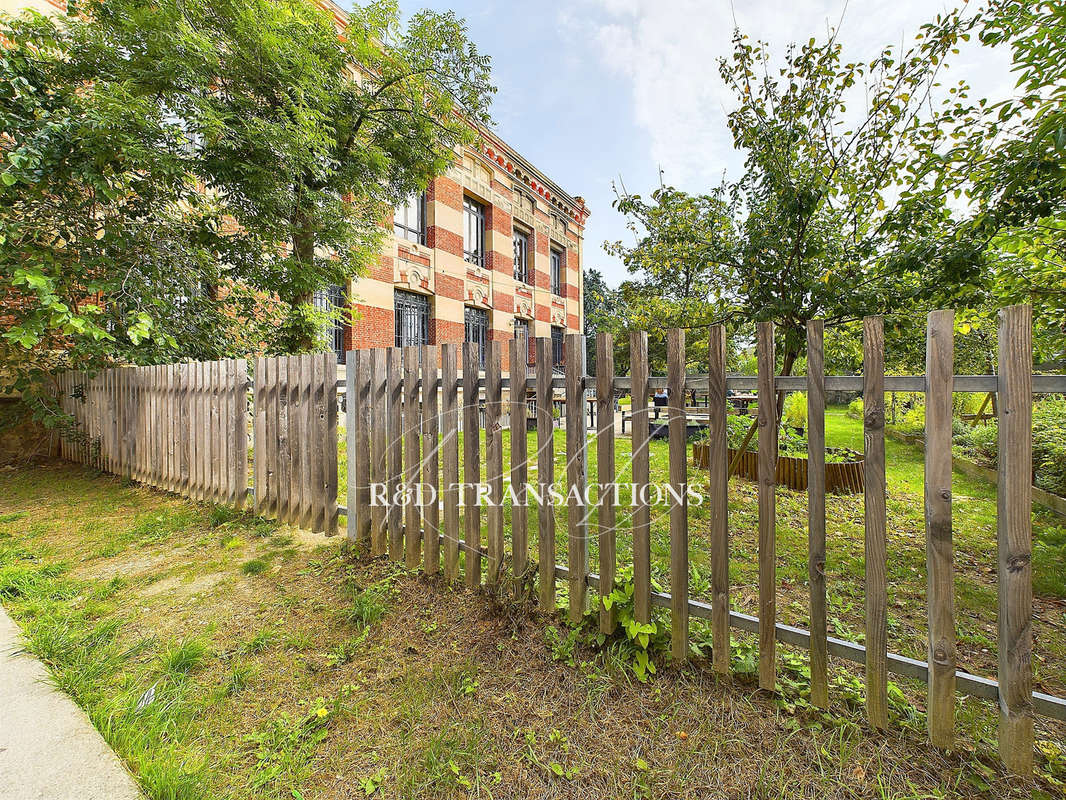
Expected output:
(373, 327)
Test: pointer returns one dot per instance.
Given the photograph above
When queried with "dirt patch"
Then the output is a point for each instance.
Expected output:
(184, 585)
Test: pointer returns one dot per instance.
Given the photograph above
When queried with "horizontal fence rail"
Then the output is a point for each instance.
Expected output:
(409, 412)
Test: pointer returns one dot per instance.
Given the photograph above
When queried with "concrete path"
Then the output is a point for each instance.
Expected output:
(48, 748)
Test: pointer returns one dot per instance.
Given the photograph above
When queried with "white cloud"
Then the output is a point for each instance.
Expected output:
(667, 52)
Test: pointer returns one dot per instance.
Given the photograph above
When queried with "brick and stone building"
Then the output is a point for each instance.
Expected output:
(491, 250)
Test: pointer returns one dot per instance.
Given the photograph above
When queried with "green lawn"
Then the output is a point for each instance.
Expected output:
(282, 668)
(974, 509)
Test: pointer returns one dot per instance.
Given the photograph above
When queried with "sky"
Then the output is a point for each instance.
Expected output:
(594, 92)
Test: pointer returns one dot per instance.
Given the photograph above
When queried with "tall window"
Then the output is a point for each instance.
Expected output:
(412, 319)
(557, 345)
(477, 326)
(521, 328)
(330, 300)
(557, 272)
(521, 256)
(409, 221)
(473, 232)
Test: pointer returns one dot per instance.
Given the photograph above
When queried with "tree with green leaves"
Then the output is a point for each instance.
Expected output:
(181, 175)
(834, 216)
(600, 311)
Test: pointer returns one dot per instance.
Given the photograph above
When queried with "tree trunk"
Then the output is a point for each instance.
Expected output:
(787, 363)
(303, 249)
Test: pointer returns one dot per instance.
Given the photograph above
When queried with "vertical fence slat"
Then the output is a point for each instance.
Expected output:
(288, 458)
(204, 433)
(279, 430)
(412, 525)
(816, 511)
(306, 411)
(638, 361)
(494, 460)
(330, 478)
(259, 436)
(168, 425)
(450, 466)
(767, 507)
(718, 484)
(363, 456)
(285, 378)
(577, 549)
(939, 371)
(241, 424)
(1014, 529)
(873, 398)
(394, 360)
(198, 449)
(317, 445)
(430, 460)
(471, 466)
(605, 474)
(225, 431)
(545, 475)
(379, 451)
(519, 458)
(228, 431)
(217, 454)
(314, 444)
(678, 430)
(185, 477)
(352, 412)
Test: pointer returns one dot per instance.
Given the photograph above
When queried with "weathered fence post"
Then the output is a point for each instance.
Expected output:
(576, 469)
(678, 433)
(605, 474)
(519, 459)
(816, 511)
(718, 482)
(873, 398)
(545, 475)
(1014, 527)
(430, 460)
(450, 466)
(641, 471)
(939, 373)
(767, 507)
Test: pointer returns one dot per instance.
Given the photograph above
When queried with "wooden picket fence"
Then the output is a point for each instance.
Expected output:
(295, 440)
(402, 423)
(185, 428)
(178, 427)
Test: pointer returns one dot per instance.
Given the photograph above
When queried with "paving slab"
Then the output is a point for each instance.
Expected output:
(48, 748)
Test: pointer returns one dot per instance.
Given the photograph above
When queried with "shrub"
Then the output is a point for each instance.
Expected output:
(979, 443)
(912, 421)
(855, 408)
(1049, 445)
(794, 414)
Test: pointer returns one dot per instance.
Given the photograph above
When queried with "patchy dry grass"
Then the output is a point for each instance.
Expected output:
(327, 676)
